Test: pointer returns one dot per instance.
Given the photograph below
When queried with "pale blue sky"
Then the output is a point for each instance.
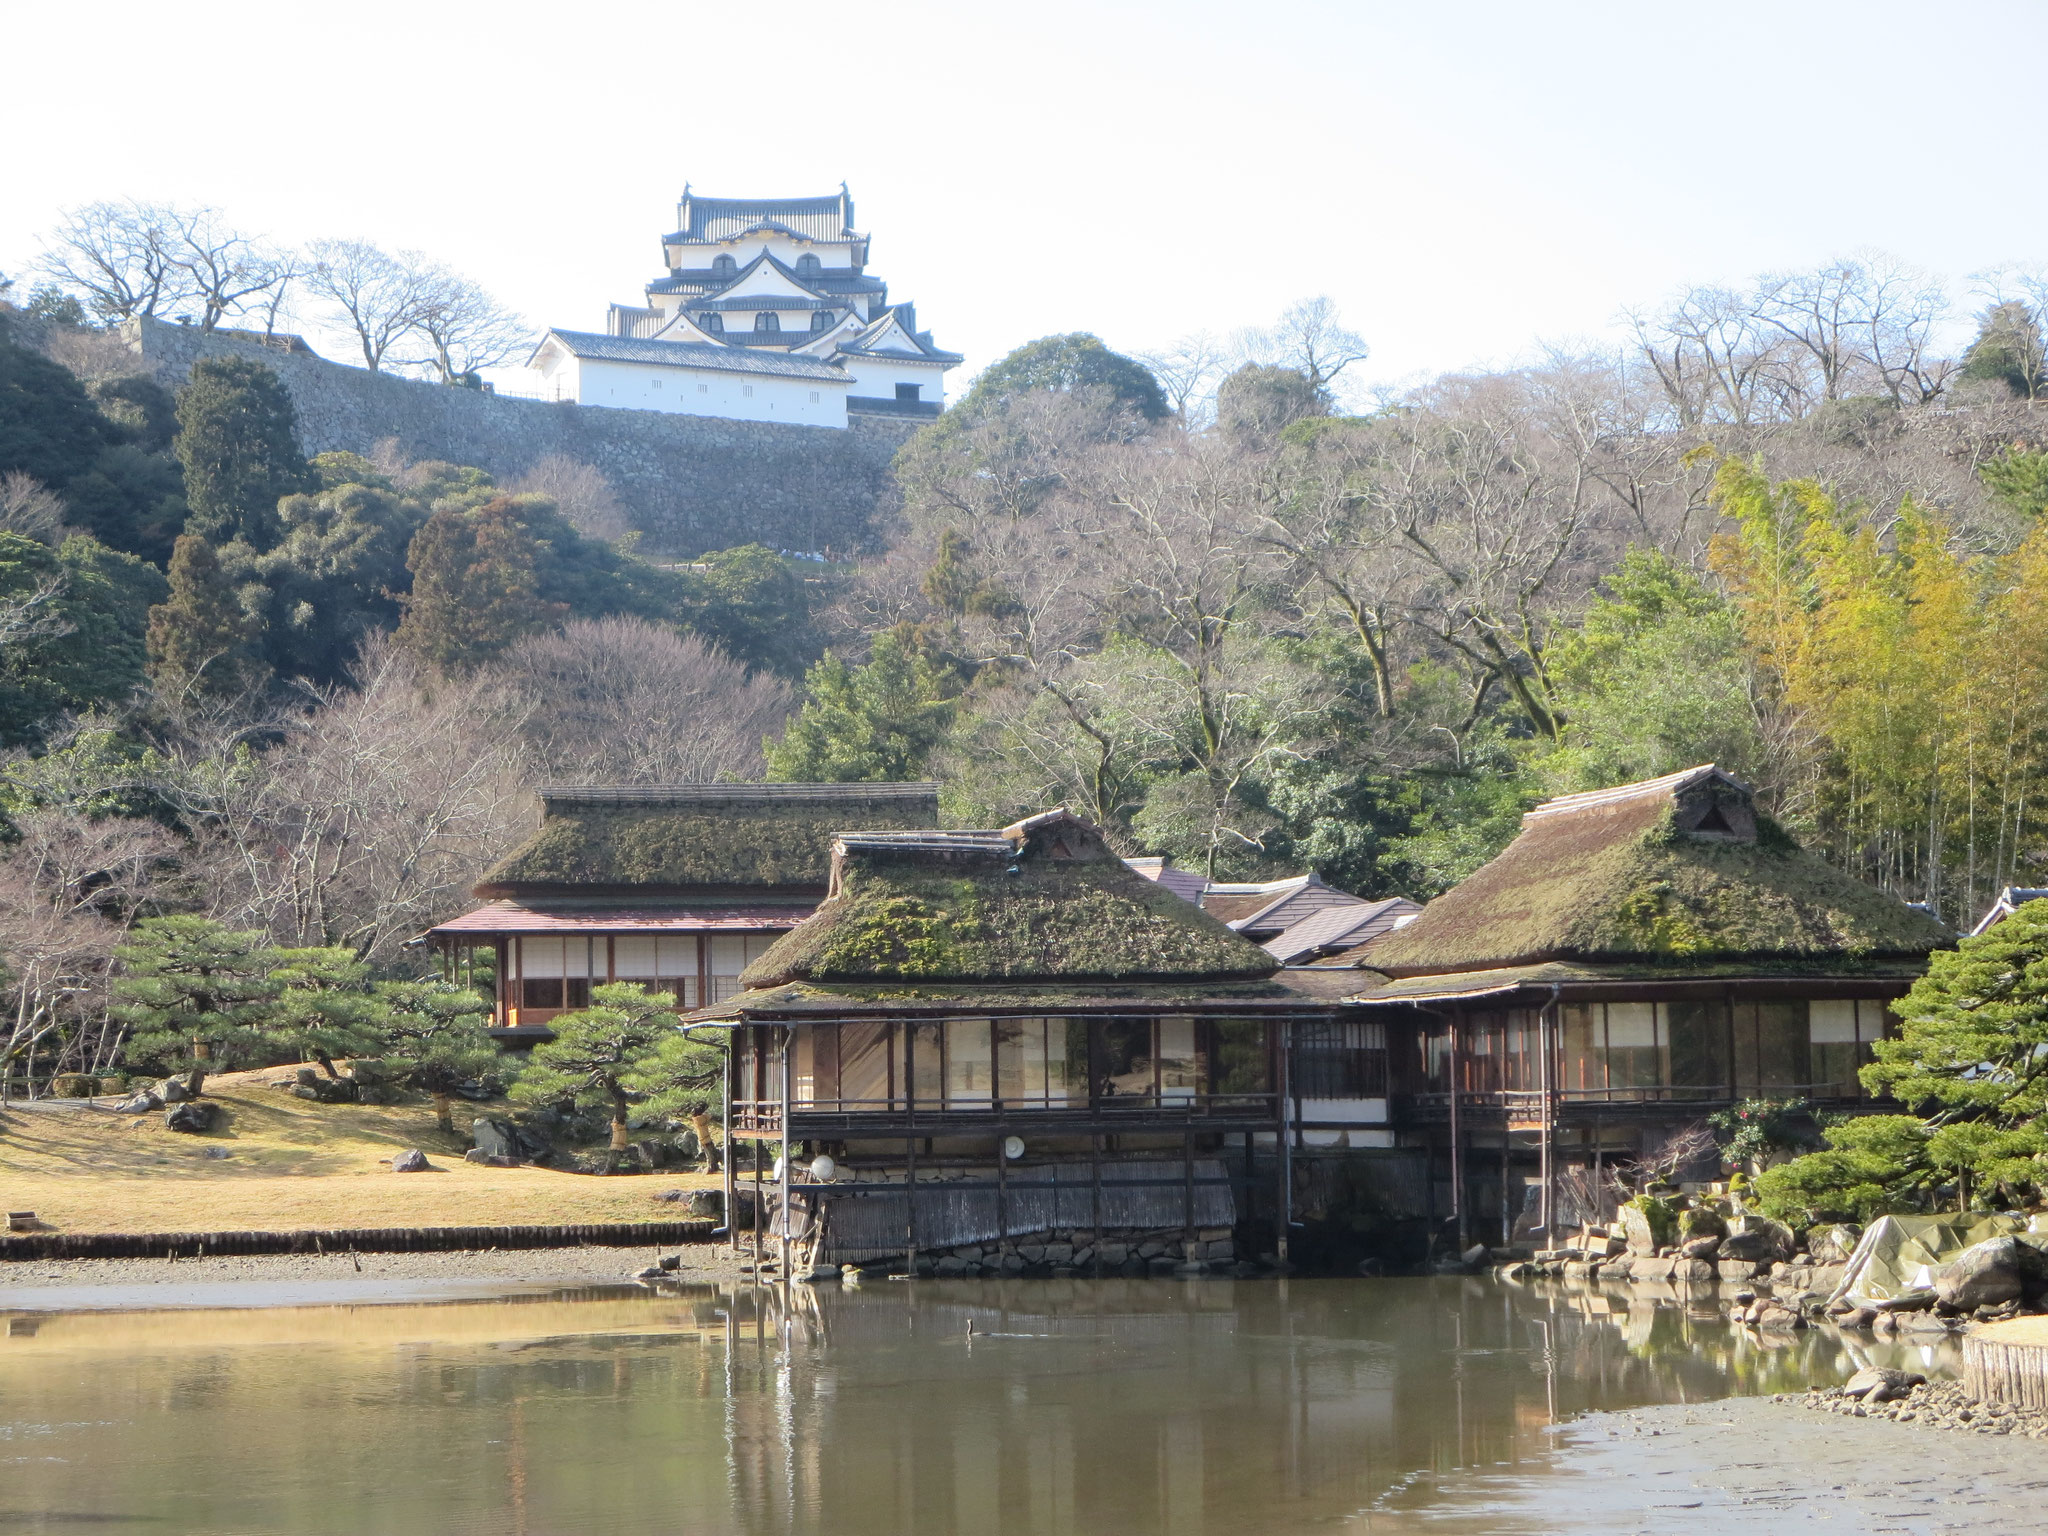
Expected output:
(1465, 179)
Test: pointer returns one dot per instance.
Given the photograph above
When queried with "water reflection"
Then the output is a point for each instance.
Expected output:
(1135, 1406)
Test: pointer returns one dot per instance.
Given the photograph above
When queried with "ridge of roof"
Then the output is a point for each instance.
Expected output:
(692, 354)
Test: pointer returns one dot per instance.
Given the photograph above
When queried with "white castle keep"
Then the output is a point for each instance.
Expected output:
(766, 313)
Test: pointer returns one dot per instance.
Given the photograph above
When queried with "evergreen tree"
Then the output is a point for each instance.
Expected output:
(874, 723)
(324, 1007)
(596, 1052)
(200, 638)
(81, 611)
(1073, 361)
(441, 1035)
(195, 995)
(475, 587)
(754, 607)
(2009, 348)
(238, 440)
(1259, 402)
(2018, 478)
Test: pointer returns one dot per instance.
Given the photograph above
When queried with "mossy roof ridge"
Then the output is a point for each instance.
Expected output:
(994, 917)
(1622, 880)
(1372, 987)
(838, 999)
(730, 840)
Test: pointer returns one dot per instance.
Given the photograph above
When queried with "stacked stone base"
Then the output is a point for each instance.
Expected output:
(1066, 1253)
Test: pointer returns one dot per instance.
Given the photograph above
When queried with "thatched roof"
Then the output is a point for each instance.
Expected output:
(691, 838)
(1676, 873)
(1045, 901)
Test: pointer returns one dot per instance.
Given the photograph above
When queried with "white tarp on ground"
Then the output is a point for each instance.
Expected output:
(1903, 1253)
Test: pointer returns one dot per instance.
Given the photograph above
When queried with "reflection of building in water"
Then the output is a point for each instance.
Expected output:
(1000, 1034)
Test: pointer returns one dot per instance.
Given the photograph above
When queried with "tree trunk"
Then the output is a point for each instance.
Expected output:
(326, 1062)
(195, 1080)
(619, 1140)
(444, 1112)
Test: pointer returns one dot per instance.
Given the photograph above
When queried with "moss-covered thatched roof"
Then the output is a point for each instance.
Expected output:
(1674, 873)
(1045, 901)
(699, 837)
(810, 999)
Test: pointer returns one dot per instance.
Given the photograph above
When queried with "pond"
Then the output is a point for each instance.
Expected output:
(1126, 1406)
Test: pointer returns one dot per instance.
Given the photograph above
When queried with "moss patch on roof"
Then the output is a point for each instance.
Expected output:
(1371, 988)
(1633, 878)
(824, 999)
(696, 839)
(1045, 901)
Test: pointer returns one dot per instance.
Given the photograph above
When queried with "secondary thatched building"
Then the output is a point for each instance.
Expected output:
(678, 886)
(992, 1034)
(1637, 957)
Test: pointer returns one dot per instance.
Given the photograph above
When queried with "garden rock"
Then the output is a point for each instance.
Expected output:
(172, 1090)
(412, 1160)
(141, 1102)
(1706, 1247)
(1832, 1245)
(192, 1116)
(1990, 1274)
(502, 1138)
(1879, 1384)
(1637, 1232)
(1758, 1238)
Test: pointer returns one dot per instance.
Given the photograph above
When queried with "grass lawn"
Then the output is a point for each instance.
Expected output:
(289, 1164)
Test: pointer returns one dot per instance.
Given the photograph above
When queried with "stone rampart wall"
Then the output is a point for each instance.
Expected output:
(690, 483)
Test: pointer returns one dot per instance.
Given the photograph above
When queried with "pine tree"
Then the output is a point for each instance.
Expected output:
(195, 995)
(475, 587)
(201, 642)
(597, 1052)
(440, 1032)
(238, 440)
(874, 723)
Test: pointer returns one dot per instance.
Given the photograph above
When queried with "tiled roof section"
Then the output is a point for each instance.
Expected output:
(724, 218)
(1340, 927)
(560, 796)
(1184, 883)
(1675, 871)
(864, 342)
(2010, 900)
(526, 917)
(692, 354)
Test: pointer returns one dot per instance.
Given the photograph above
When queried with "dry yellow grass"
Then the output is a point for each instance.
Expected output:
(290, 1164)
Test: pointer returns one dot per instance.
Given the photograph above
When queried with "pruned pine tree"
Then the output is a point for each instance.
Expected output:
(196, 994)
(438, 1032)
(596, 1053)
(324, 1007)
(681, 1077)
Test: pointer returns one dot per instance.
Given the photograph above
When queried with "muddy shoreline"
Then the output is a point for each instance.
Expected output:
(1742, 1465)
(281, 1280)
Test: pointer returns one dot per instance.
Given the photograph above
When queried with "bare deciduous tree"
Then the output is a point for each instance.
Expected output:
(1189, 370)
(30, 508)
(623, 701)
(120, 256)
(580, 493)
(376, 295)
(1309, 337)
(223, 267)
(464, 328)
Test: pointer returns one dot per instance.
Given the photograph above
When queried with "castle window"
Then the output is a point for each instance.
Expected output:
(807, 264)
(715, 324)
(724, 266)
(767, 320)
(907, 391)
(821, 319)
(814, 397)
(747, 390)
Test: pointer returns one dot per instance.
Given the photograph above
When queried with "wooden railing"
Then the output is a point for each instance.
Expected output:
(763, 1117)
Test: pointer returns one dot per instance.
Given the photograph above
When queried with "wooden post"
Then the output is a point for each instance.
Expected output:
(757, 1202)
(910, 1211)
(1507, 1217)
(1283, 1144)
(1458, 1211)
(1002, 1192)
(1547, 1156)
(1187, 1194)
(1094, 1198)
(726, 1171)
(788, 1149)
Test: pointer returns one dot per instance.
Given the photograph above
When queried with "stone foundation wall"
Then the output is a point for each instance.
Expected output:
(689, 483)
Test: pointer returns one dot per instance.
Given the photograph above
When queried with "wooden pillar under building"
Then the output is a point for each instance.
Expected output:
(1187, 1193)
(1458, 1211)
(1507, 1208)
(1002, 1192)
(759, 1201)
(1546, 1127)
(1283, 1142)
(727, 1173)
(910, 1211)
(788, 1151)
(1094, 1198)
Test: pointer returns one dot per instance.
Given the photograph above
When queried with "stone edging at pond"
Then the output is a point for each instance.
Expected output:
(183, 1245)
(1907, 1399)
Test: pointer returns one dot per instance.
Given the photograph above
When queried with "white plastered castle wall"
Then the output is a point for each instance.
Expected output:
(708, 392)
